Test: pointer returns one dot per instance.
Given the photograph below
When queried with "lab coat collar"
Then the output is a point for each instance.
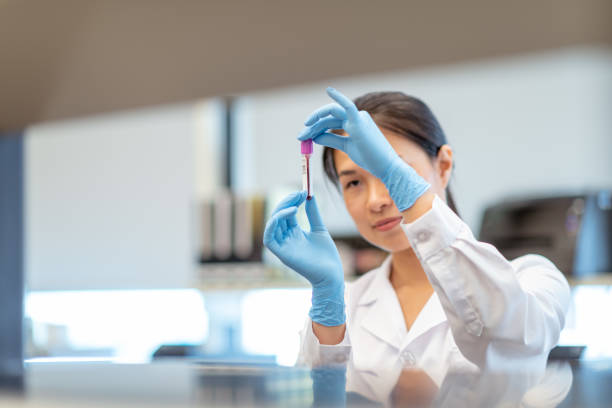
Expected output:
(430, 316)
(385, 319)
(379, 282)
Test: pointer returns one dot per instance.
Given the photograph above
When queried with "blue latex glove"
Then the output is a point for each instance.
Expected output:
(312, 254)
(366, 146)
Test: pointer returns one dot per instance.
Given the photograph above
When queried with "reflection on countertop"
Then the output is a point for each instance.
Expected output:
(176, 382)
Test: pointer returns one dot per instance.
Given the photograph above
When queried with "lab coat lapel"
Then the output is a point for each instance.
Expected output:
(430, 316)
(381, 318)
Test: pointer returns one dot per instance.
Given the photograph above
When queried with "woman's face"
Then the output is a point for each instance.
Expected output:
(368, 201)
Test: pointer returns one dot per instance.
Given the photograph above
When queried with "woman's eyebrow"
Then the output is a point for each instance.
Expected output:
(346, 173)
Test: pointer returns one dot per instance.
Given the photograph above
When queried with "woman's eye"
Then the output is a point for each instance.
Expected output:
(352, 183)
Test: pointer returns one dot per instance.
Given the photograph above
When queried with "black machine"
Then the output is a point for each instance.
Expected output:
(573, 231)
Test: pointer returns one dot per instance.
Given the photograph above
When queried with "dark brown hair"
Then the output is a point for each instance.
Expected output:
(405, 115)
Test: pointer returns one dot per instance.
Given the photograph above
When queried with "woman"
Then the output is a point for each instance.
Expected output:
(441, 299)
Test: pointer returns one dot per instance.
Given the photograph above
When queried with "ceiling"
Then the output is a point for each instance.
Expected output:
(65, 59)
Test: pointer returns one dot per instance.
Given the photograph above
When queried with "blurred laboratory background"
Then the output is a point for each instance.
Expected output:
(144, 144)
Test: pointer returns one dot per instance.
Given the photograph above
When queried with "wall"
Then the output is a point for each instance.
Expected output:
(535, 124)
(109, 200)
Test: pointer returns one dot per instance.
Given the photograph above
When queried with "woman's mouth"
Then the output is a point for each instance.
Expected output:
(387, 223)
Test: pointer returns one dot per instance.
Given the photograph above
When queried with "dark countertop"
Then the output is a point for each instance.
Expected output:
(182, 382)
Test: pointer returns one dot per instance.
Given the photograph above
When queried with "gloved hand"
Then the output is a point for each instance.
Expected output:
(366, 146)
(312, 254)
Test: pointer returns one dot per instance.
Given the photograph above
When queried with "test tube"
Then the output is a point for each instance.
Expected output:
(306, 149)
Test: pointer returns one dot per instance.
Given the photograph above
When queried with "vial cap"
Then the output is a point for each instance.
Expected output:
(306, 146)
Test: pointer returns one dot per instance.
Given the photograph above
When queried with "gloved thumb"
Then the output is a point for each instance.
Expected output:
(314, 218)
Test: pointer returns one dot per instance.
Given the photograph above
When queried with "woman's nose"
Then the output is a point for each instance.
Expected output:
(378, 196)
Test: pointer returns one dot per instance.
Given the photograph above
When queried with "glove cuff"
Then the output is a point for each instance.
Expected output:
(404, 184)
(328, 306)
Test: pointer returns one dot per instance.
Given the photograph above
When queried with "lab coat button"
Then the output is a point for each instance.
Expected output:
(423, 236)
(408, 358)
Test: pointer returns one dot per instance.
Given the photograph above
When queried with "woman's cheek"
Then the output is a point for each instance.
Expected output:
(357, 211)
(353, 211)
(351, 199)
(428, 174)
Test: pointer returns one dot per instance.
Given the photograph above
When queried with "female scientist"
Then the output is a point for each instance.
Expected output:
(441, 299)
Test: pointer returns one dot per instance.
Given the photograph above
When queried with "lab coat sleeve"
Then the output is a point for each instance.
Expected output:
(314, 354)
(500, 312)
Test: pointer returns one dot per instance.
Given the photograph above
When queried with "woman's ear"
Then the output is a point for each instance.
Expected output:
(444, 164)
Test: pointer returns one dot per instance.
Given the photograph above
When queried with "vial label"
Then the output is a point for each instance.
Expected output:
(305, 175)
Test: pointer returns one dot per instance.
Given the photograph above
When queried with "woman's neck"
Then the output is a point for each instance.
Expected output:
(406, 270)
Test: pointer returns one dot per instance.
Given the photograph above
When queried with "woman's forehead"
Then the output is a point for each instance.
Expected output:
(343, 162)
(402, 145)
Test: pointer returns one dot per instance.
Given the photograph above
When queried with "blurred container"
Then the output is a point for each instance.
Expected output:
(231, 228)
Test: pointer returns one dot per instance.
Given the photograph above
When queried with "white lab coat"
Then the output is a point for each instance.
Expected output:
(486, 312)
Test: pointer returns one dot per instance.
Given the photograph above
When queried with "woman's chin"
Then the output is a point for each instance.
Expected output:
(390, 242)
(398, 248)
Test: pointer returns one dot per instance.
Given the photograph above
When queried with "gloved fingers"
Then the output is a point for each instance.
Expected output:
(322, 125)
(269, 236)
(278, 232)
(278, 225)
(293, 199)
(332, 109)
(314, 218)
(351, 110)
(292, 220)
(285, 219)
(332, 140)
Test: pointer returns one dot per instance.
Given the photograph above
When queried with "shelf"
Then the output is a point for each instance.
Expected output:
(248, 285)
(245, 276)
(248, 275)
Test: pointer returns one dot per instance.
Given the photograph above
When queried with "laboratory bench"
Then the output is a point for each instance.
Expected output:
(185, 383)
